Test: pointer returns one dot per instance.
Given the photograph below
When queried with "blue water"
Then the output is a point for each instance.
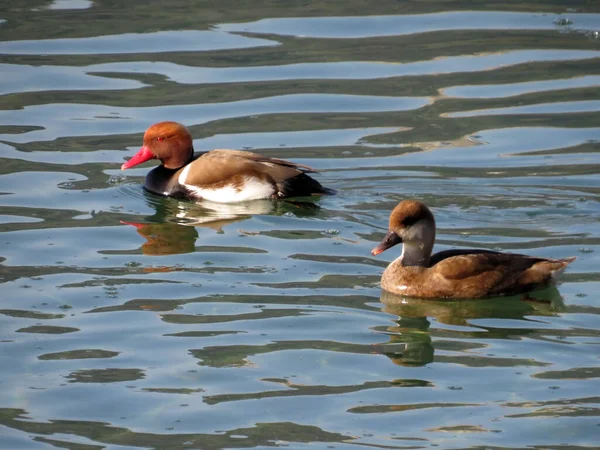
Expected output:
(130, 321)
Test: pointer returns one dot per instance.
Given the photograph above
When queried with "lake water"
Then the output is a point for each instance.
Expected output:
(129, 321)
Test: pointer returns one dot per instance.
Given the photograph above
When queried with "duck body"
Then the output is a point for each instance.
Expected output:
(461, 273)
(222, 176)
(472, 274)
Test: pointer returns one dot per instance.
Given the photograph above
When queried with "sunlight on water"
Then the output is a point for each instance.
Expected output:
(129, 320)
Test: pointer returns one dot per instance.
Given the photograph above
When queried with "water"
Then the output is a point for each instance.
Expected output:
(129, 321)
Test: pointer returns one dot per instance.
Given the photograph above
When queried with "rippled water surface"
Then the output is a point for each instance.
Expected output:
(129, 321)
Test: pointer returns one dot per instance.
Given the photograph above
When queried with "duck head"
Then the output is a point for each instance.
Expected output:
(412, 224)
(169, 142)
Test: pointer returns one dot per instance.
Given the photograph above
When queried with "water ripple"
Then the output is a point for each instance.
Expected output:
(133, 320)
(160, 41)
(360, 27)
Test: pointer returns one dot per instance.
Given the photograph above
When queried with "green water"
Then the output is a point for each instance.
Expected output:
(262, 324)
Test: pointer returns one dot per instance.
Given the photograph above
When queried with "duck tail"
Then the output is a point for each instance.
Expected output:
(558, 266)
(326, 191)
(544, 271)
(303, 185)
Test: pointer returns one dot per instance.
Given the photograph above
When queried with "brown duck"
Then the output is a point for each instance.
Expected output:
(460, 273)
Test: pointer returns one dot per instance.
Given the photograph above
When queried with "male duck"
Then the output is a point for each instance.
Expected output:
(460, 273)
(223, 176)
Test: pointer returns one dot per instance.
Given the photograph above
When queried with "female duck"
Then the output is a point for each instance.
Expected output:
(461, 273)
(223, 176)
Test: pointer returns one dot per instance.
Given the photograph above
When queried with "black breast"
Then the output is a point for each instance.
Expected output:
(163, 181)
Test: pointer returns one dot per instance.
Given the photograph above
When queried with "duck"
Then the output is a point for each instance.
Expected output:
(220, 176)
(457, 273)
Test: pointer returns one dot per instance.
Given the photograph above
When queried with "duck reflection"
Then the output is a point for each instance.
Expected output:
(411, 343)
(165, 238)
(172, 229)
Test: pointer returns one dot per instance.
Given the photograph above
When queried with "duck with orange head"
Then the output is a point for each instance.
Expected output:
(222, 176)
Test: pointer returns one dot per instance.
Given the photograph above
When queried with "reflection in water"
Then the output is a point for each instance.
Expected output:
(165, 238)
(262, 434)
(274, 336)
(111, 375)
(171, 229)
(457, 312)
(411, 343)
(203, 214)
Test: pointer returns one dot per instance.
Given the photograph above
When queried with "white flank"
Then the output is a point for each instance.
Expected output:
(183, 175)
(252, 189)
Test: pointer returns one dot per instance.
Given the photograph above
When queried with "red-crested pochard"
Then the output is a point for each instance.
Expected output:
(223, 176)
(460, 273)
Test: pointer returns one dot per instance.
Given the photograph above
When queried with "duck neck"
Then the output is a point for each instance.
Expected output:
(414, 254)
(418, 251)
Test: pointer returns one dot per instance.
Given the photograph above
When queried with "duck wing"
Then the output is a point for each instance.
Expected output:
(272, 162)
(219, 167)
(439, 256)
(247, 176)
(484, 273)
